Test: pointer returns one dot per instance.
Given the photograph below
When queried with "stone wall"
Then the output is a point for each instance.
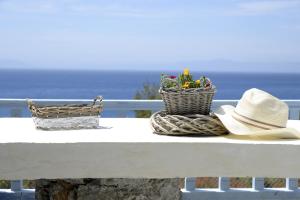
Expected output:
(108, 189)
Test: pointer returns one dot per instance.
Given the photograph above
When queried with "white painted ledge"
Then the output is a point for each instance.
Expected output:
(127, 148)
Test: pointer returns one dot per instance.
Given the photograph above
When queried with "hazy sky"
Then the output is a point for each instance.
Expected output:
(127, 34)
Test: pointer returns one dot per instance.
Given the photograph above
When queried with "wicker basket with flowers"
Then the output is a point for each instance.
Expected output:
(184, 95)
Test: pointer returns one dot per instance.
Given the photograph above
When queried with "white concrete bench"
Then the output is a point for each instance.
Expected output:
(126, 147)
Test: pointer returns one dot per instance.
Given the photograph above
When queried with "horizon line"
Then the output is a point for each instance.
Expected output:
(151, 70)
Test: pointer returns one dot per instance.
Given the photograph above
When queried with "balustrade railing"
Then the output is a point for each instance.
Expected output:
(18, 108)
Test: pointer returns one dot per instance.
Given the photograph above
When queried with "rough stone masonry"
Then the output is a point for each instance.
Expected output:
(107, 189)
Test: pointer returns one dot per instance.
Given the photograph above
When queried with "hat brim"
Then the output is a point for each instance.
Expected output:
(224, 113)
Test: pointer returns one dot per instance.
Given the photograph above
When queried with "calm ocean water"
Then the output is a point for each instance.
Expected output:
(124, 84)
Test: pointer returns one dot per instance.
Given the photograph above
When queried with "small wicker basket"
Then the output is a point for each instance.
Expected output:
(187, 101)
(69, 116)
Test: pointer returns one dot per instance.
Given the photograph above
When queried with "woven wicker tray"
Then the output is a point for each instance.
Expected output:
(69, 116)
(194, 124)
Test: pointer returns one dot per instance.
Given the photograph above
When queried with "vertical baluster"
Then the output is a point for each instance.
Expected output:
(224, 183)
(294, 114)
(258, 183)
(16, 185)
(291, 183)
(189, 183)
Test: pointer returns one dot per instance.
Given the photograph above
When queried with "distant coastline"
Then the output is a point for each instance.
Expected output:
(166, 70)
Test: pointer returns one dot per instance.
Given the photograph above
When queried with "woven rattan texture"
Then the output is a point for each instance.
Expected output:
(188, 101)
(193, 124)
(69, 110)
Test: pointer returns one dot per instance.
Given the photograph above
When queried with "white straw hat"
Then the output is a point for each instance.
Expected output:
(259, 114)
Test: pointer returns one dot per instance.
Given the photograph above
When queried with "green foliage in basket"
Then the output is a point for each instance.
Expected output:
(185, 81)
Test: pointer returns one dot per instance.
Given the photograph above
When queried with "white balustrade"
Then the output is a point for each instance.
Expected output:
(258, 191)
(291, 183)
(224, 183)
(16, 185)
(189, 183)
(258, 184)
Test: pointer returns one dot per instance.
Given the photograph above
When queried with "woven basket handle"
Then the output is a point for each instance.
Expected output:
(32, 107)
(98, 98)
(30, 103)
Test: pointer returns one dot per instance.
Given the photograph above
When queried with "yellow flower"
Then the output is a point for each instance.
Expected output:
(186, 72)
(186, 85)
(198, 82)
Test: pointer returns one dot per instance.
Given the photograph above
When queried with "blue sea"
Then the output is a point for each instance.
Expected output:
(124, 84)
